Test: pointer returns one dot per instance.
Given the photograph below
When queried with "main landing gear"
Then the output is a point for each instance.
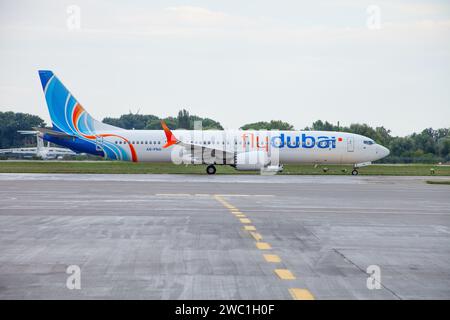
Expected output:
(355, 172)
(211, 169)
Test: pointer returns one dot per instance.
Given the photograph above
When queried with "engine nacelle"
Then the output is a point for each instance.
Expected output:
(251, 161)
(272, 169)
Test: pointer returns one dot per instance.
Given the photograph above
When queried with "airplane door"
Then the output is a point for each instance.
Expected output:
(98, 143)
(350, 144)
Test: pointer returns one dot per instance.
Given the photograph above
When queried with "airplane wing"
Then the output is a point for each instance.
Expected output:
(197, 151)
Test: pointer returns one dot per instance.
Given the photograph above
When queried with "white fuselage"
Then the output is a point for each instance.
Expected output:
(286, 146)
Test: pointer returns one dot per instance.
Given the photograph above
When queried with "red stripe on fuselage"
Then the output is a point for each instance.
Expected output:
(76, 115)
(132, 150)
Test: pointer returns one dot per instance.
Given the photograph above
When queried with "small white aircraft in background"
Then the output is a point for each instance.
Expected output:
(40, 151)
(249, 150)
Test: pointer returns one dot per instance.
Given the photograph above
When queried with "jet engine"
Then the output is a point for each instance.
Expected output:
(251, 161)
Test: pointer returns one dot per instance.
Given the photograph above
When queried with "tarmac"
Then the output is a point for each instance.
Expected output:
(223, 237)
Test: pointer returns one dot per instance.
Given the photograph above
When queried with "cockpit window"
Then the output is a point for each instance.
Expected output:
(369, 142)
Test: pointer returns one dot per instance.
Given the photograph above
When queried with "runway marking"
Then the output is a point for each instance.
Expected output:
(209, 195)
(272, 258)
(263, 246)
(245, 195)
(301, 294)
(284, 274)
(256, 236)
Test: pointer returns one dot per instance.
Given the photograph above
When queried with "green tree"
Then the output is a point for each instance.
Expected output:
(272, 125)
(131, 121)
(319, 125)
(11, 122)
(155, 124)
(426, 140)
(383, 136)
(150, 122)
(183, 119)
(444, 147)
(207, 123)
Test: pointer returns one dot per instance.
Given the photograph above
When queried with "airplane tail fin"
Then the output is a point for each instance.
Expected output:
(66, 112)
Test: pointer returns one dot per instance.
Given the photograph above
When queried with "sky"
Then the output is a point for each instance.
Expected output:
(384, 63)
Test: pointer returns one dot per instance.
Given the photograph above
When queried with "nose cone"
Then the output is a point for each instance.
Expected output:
(383, 152)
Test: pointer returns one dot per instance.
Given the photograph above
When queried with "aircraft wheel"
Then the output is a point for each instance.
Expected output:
(210, 169)
(355, 172)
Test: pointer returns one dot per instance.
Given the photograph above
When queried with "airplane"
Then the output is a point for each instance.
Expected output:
(40, 151)
(251, 150)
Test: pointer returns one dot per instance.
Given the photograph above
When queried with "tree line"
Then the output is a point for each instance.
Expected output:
(151, 122)
(428, 146)
(11, 122)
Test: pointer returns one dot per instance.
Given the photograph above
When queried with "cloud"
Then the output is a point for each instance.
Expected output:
(417, 9)
(254, 58)
(198, 17)
(186, 21)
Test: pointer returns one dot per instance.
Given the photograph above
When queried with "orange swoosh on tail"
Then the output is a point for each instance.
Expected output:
(76, 115)
(169, 135)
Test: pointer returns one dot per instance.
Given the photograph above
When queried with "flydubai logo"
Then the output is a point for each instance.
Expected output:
(303, 141)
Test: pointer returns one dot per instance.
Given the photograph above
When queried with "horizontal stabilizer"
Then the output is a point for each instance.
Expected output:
(27, 131)
(53, 133)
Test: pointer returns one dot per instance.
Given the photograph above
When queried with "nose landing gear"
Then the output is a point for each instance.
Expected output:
(211, 169)
(356, 166)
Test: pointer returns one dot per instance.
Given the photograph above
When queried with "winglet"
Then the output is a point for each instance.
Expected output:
(169, 135)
